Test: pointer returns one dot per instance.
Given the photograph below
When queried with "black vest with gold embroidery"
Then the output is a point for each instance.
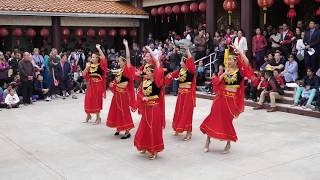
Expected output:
(95, 71)
(150, 89)
(234, 80)
(185, 76)
(120, 78)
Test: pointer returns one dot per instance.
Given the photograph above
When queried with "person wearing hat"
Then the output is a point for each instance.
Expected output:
(229, 101)
(182, 119)
(124, 97)
(149, 136)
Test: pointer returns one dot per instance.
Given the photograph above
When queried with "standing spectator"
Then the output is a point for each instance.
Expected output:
(12, 100)
(13, 63)
(136, 56)
(275, 39)
(175, 59)
(150, 39)
(300, 25)
(297, 36)
(201, 74)
(290, 72)
(200, 43)
(228, 37)
(209, 44)
(312, 42)
(78, 56)
(286, 38)
(64, 74)
(259, 44)
(241, 41)
(26, 74)
(4, 68)
(300, 49)
(273, 91)
(54, 60)
(38, 61)
(309, 80)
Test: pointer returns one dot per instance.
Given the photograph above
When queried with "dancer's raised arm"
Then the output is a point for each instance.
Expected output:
(102, 56)
(125, 43)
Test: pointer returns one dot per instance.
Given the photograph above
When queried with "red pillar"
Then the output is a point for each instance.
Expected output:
(247, 22)
(211, 16)
(56, 32)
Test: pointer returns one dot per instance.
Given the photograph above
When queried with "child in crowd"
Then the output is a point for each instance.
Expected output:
(263, 84)
(78, 81)
(12, 99)
(305, 96)
(279, 78)
(201, 72)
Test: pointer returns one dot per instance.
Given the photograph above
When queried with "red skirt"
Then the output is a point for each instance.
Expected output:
(182, 119)
(93, 100)
(119, 113)
(149, 134)
(219, 122)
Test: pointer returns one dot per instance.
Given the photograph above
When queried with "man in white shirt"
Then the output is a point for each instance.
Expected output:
(12, 100)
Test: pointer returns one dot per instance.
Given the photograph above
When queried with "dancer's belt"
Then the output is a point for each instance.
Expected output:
(121, 90)
(151, 103)
(184, 90)
(95, 79)
(185, 85)
(229, 93)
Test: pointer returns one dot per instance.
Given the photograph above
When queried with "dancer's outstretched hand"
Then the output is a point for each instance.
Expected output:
(98, 46)
(125, 42)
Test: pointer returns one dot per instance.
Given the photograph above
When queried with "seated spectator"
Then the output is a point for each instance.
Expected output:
(278, 77)
(268, 59)
(251, 87)
(201, 74)
(2, 105)
(7, 91)
(309, 80)
(12, 100)
(290, 72)
(273, 91)
(305, 95)
(263, 84)
(276, 63)
(40, 88)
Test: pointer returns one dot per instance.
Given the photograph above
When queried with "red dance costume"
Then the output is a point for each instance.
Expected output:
(149, 134)
(96, 87)
(182, 119)
(123, 99)
(227, 105)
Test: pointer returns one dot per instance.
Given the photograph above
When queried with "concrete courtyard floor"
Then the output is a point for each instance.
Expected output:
(47, 141)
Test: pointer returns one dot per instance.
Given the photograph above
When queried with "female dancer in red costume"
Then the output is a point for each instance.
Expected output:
(182, 119)
(119, 116)
(95, 76)
(229, 100)
(150, 99)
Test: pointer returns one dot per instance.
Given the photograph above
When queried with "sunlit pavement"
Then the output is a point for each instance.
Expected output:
(47, 140)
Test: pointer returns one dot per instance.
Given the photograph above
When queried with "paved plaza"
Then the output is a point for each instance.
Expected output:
(47, 141)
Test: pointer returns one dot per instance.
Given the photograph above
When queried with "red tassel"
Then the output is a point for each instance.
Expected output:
(292, 13)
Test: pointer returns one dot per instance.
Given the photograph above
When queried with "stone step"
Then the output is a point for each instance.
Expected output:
(280, 106)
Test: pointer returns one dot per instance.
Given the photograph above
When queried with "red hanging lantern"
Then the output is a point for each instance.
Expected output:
(31, 33)
(102, 33)
(202, 7)
(176, 10)
(65, 34)
(168, 11)
(161, 12)
(17, 32)
(91, 32)
(154, 11)
(291, 13)
(79, 32)
(265, 4)
(112, 32)
(133, 33)
(123, 32)
(185, 9)
(194, 7)
(229, 6)
(44, 33)
(3, 33)
(318, 12)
